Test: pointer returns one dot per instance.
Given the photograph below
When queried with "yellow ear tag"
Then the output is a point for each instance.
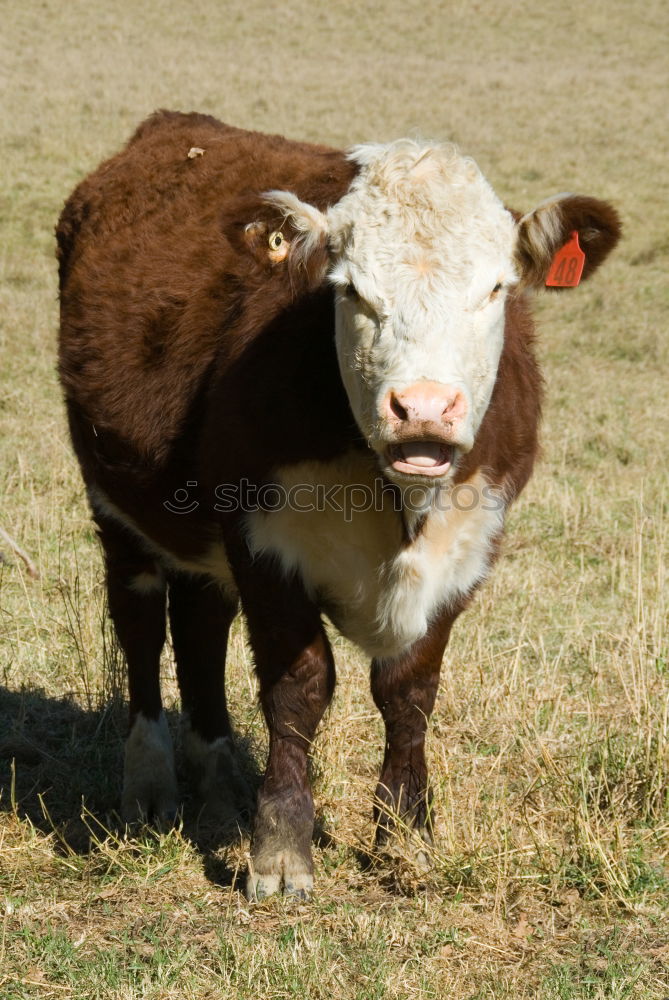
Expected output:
(278, 247)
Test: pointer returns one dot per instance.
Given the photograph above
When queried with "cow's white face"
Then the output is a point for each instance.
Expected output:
(422, 254)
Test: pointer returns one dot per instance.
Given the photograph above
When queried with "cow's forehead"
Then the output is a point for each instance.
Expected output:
(420, 207)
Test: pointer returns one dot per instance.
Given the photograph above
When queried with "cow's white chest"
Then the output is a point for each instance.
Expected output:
(378, 590)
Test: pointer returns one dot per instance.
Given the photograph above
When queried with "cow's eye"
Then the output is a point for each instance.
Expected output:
(496, 290)
(275, 240)
(351, 293)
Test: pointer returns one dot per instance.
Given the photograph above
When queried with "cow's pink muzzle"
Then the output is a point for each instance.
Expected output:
(422, 422)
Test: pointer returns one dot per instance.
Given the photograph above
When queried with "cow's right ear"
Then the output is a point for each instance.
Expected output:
(564, 239)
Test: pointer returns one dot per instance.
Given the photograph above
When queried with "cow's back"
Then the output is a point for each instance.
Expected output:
(152, 283)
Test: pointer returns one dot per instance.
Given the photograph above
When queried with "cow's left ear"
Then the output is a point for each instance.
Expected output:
(564, 240)
(306, 229)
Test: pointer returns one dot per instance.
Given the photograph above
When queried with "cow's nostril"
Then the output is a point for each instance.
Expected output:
(455, 402)
(397, 407)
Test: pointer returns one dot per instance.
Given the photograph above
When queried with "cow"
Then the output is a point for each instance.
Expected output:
(300, 380)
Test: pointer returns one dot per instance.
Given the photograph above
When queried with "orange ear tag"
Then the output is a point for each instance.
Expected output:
(567, 266)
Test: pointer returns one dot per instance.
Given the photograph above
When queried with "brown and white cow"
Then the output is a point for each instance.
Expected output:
(301, 379)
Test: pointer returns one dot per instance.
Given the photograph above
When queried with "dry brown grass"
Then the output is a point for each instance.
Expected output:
(550, 743)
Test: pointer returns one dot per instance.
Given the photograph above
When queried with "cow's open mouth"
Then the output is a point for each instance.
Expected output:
(421, 458)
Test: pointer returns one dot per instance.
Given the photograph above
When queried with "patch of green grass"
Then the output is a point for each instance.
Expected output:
(608, 968)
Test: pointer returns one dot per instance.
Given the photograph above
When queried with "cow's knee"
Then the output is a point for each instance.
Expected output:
(150, 789)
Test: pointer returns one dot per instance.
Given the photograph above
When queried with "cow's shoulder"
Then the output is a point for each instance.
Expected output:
(167, 267)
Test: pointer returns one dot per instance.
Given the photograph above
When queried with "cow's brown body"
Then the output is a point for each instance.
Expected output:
(188, 357)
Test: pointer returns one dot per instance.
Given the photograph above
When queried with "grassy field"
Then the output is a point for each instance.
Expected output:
(549, 747)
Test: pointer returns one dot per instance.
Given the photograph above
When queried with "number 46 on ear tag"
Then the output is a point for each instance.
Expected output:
(567, 266)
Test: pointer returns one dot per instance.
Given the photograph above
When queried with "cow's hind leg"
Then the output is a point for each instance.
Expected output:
(136, 595)
(296, 672)
(404, 691)
(200, 617)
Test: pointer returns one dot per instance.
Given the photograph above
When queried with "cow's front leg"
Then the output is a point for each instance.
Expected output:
(296, 673)
(404, 690)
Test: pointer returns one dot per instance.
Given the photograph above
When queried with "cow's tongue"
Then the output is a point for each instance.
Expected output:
(423, 454)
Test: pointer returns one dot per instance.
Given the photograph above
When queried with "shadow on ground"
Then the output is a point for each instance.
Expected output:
(59, 761)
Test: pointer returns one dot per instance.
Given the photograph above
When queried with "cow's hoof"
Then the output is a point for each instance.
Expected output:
(161, 816)
(150, 791)
(423, 860)
(221, 782)
(299, 886)
(283, 871)
(412, 848)
(259, 886)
